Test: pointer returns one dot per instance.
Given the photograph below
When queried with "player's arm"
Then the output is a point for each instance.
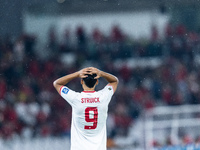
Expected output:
(112, 80)
(66, 79)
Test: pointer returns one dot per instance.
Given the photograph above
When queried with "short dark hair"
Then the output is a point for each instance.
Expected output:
(90, 80)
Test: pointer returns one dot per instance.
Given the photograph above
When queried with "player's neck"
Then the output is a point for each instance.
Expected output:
(85, 88)
(88, 89)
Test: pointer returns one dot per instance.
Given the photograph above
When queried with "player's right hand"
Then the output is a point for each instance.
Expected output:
(83, 72)
(96, 71)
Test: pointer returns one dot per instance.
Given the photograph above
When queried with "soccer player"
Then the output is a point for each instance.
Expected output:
(89, 108)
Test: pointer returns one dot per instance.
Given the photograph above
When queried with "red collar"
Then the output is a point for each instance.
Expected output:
(89, 91)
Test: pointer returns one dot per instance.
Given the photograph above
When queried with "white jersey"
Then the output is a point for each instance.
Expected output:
(89, 114)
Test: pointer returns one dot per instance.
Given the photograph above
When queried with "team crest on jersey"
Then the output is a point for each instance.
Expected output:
(65, 90)
(109, 88)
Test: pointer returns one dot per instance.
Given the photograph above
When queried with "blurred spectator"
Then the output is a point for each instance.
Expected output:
(81, 38)
(116, 34)
(2, 88)
(97, 35)
(154, 33)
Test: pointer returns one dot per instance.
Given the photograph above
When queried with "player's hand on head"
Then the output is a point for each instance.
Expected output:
(83, 72)
(96, 71)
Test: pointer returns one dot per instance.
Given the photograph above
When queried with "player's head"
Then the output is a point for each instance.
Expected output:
(90, 80)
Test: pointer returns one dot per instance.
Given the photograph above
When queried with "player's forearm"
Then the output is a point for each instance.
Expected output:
(109, 77)
(64, 80)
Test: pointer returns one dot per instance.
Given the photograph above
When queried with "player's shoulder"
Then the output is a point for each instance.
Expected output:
(66, 90)
(107, 89)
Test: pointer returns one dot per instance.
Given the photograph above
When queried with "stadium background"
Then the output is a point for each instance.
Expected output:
(151, 45)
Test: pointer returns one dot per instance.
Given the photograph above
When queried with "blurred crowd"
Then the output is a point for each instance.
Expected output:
(31, 107)
(186, 142)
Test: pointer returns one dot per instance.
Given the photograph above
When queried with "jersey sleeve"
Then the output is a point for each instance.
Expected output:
(108, 90)
(68, 94)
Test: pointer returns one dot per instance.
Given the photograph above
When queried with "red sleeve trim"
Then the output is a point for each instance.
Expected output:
(60, 90)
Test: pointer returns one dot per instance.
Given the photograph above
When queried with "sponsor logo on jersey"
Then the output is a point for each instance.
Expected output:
(90, 100)
(65, 90)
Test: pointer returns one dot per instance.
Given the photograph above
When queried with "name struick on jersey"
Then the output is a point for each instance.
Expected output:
(90, 100)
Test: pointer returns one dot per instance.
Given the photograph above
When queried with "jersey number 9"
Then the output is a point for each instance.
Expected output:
(93, 119)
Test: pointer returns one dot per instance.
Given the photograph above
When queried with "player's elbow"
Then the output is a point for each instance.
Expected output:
(55, 83)
(117, 80)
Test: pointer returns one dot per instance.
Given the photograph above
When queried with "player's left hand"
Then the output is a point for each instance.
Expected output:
(83, 72)
(96, 71)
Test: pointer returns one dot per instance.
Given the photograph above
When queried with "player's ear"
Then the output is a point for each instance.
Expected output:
(97, 82)
(82, 81)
